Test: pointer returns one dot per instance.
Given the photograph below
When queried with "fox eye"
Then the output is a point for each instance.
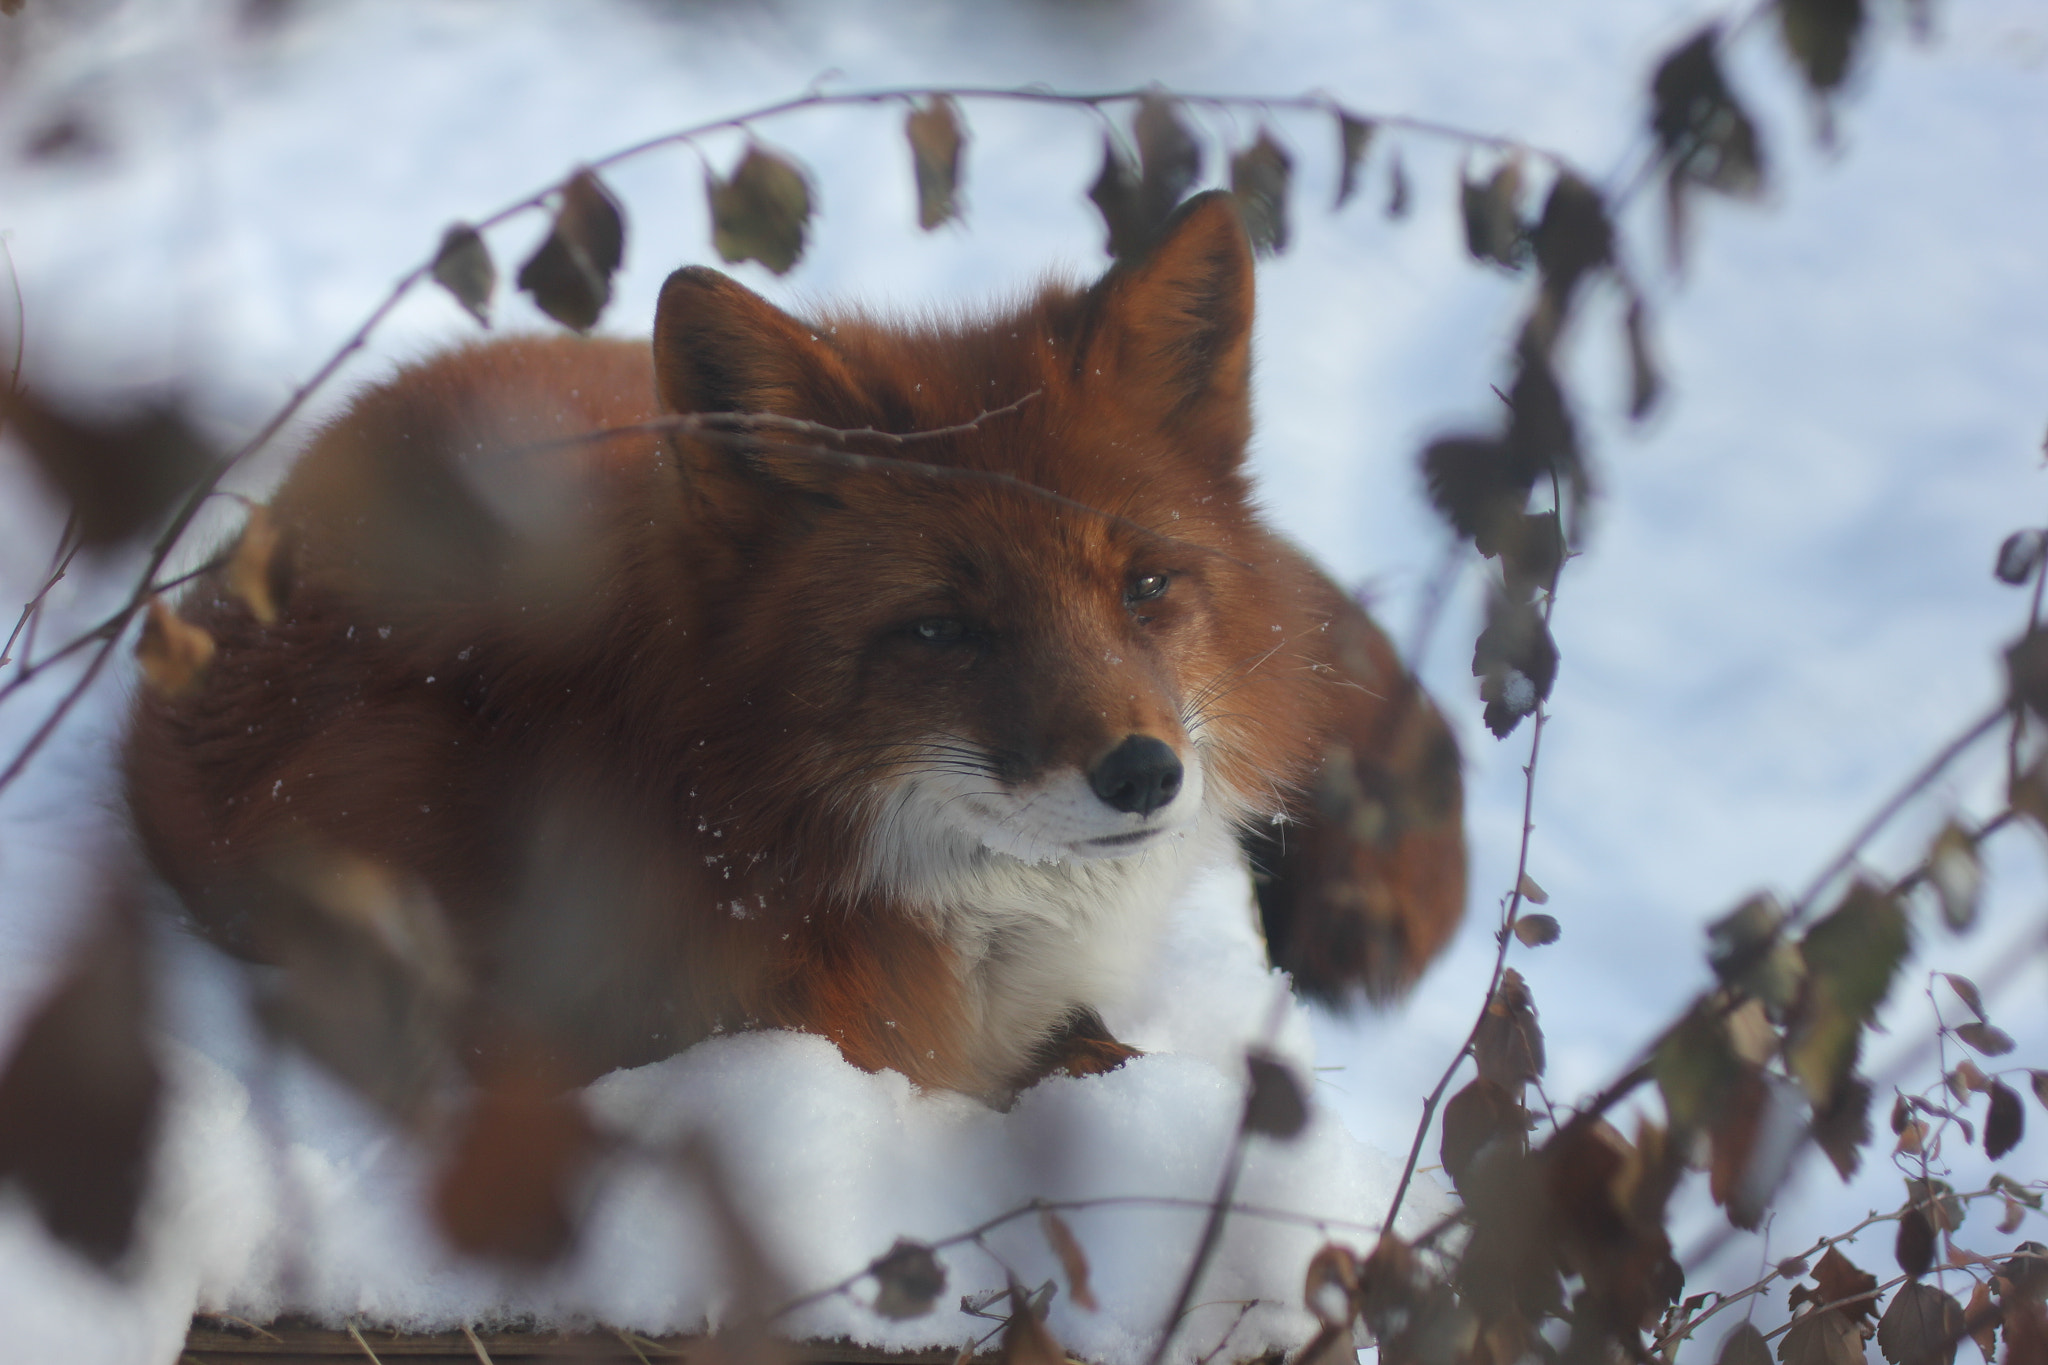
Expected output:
(940, 630)
(1151, 586)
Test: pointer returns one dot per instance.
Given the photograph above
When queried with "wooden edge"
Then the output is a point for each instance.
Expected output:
(226, 1341)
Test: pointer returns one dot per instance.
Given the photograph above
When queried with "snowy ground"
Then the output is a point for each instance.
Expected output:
(1786, 606)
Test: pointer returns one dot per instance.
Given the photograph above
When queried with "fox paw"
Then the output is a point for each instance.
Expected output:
(1082, 1046)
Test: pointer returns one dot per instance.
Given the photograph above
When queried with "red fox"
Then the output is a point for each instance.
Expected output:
(907, 744)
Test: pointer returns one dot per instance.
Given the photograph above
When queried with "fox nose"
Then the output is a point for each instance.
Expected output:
(1138, 776)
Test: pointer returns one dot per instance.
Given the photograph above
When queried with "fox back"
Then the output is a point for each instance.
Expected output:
(897, 711)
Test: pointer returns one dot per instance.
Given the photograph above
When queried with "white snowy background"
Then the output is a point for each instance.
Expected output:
(1786, 604)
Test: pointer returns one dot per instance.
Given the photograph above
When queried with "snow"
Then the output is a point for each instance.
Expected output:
(1787, 602)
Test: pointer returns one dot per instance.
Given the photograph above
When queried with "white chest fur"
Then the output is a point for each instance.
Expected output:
(1034, 939)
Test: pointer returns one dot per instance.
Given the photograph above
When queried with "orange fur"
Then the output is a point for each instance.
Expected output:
(682, 735)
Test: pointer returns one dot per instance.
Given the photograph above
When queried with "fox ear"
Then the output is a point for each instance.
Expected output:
(720, 347)
(1174, 327)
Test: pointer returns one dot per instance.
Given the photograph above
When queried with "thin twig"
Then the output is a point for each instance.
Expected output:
(1504, 936)
(1205, 1247)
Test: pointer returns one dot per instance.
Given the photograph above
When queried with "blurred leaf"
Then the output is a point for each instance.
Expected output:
(1821, 36)
(1645, 381)
(2028, 793)
(1837, 1278)
(463, 267)
(908, 1280)
(1532, 552)
(1851, 957)
(570, 274)
(1915, 1245)
(1748, 951)
(1331, 1345)
(2012, 1189)
(507, 1186)
(1754, 1133)
(1397, 187)
(1515, 661)
(2026, 665)
(1992, 1042)
(1824, 1337)
(1073, 1261)
(1957, 877)
(1275, 1105)
(1492, 214)
(119, 474)
(1169, 158)
(2015, 1214)
(1025, 1339)
(1354, 139)
(1530, 892)
(1508, 1044)
(1922, 1326)
(2006, 1123)
(370, 977)
(1540, 431)
(260, 571)
(935, 141)
(1744, 1345)
(1943, 1205)
(761, 212)
(2020, 556)
(2040, 1084)
(1702, 129)
(79, 1097)
(1115, 193)
(1842, 1126)
(1259, 179)
(1573, 236)
(1332, 1287)
(1477, 485)
(1965, 1078)
(1536, 931)
(1793, 1268)
(1475, 1117)
(1966, 991)
(173, 651)
(1980, 1319)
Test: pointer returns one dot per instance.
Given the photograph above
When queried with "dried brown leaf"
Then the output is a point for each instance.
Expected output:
(1822, 1337)
(1026, 1340)
(507, 1187)
(2006, 1123)
(1535, 931)
(1992, 1042)
(1354, 139)
(570, 274)
(1744, 1345)
(1259, 180)
(1515, 660)
(1943, 1205)
(1276, 1104)
(119, 473)
(2020, 556)
(1922, 1326)
(909, 1279)
(1531, 892)
(1073, 1261)
(1841, 1127)
(173, 651)
(1477, 1116)
(1753, 1137)
(260, 571)
(1332, 1288)
(761, 212)
(463, 266)
(1956, 874)
(1914, 1246)
(936, 138)
(1966, 991)
(1981, 1321)
(1573, 237)
(79, 1097)
(1492, 213)
(1821, 35)
(1508, 1045)
(2039, 1080)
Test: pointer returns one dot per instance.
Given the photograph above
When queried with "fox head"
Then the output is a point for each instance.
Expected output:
(1050, 628)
